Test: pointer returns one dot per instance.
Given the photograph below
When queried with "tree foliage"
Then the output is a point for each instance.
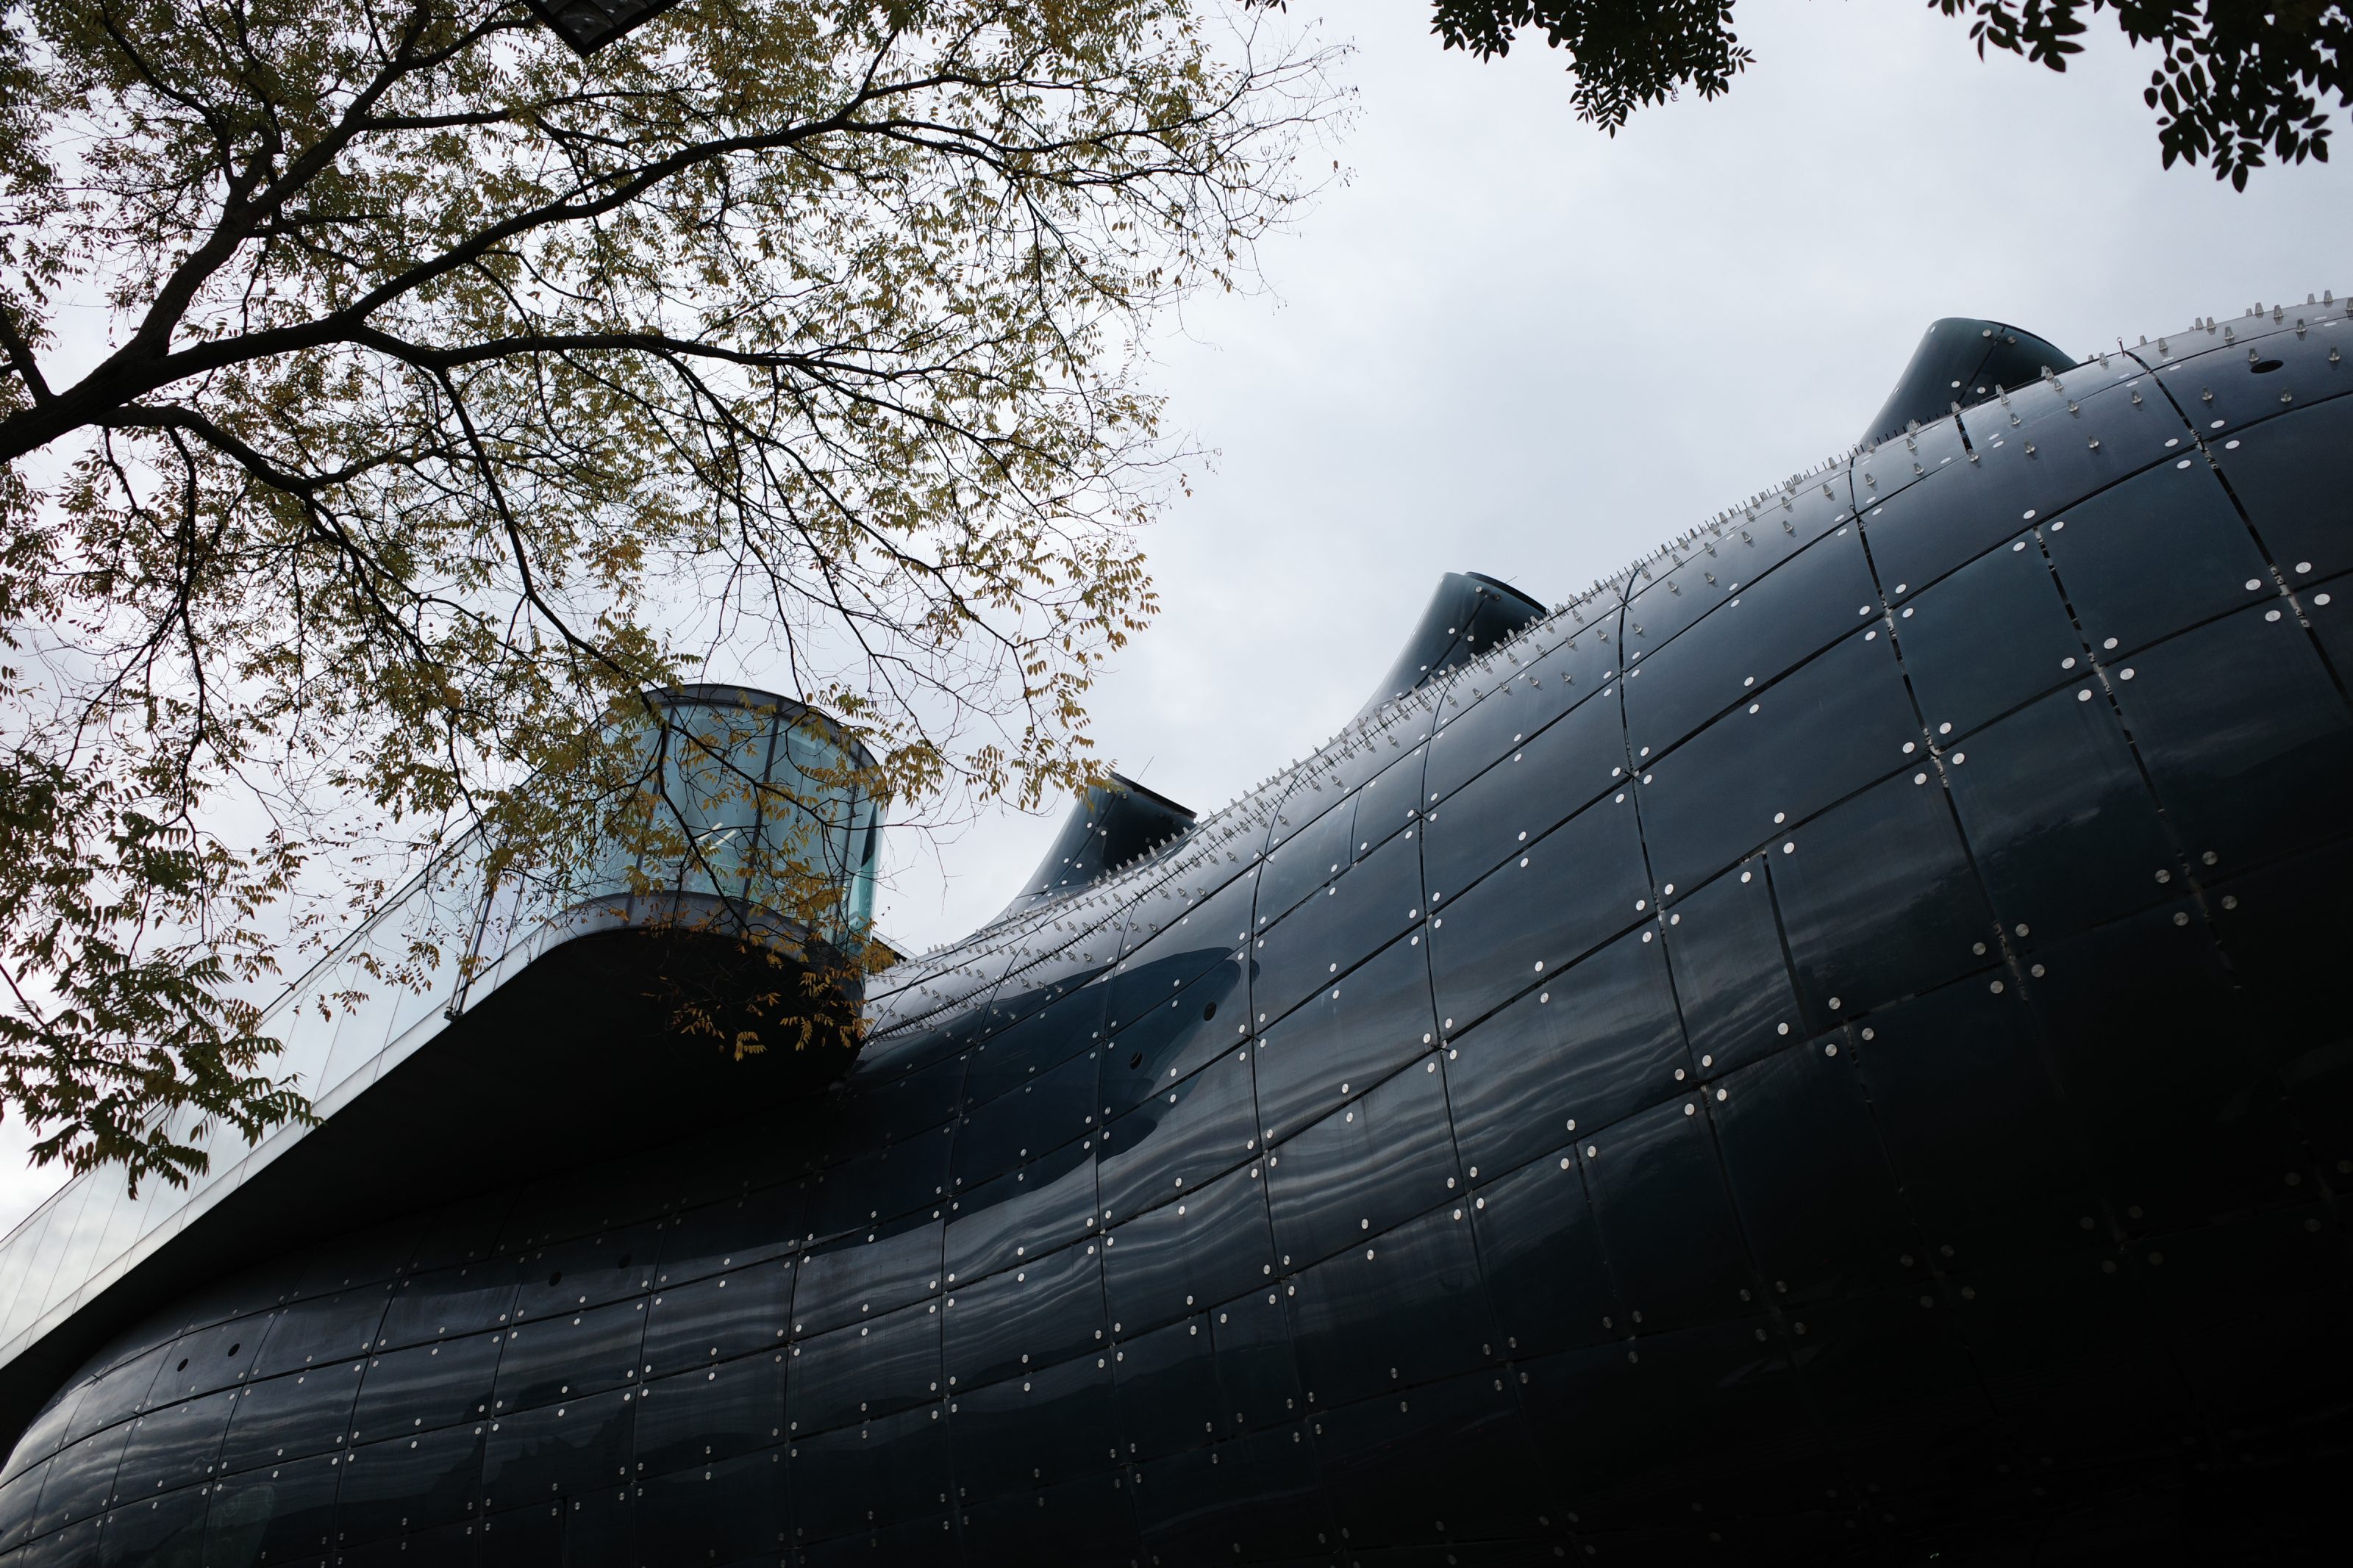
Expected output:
(2239, 82)
(392, 397)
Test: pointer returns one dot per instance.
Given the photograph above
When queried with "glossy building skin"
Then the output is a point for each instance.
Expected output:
(1829, 1048)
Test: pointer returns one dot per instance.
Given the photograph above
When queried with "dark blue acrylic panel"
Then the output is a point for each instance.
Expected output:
(1166, 1382)
(283, 1514)
(1257, 1374)
(1377, 899)
(1666, 1221)
(1530, 697)
(737, 1233)
(731, 1513)
(2279, 927)
(865, 1274)
(1965, 508)
(2154, 554)
(2181, 1124)
(1063, 1523)
(1258, 1493)
(410, 1483)
(1988, 1155)
(2058, 816)
(175, 1445)
(288, 1417)
(1736, 552)
(556, 1450)
(875, 1103)
(323, 1330)
(900, 1179)
(450, 1302)
(701, 1417)
(1184, 1254)
(1200, 931)
(563, 1358)
(1044, 1310)
(2286, 474)
(1442, 1458)
(1170, 1040)
(715, 1318)
(425, 1386)
(1390, 802)
(1816, 1197)
(1902, 461)
(839, 1483)
(1533, 787)
(1541, 1253)
(166, 1531)
(1732, 978)
(1877, 897)
(1362, 1027)
(1593, 1043)
(1828, 730)
(1041, 1044)
(865, 1370)
(586, 1271)
(1179, 1139)
(1301, 859)
(1019, 1215)
(42, 1434)
(2264, 369)
(1045, 1112)
(20, 1498)
(1034, 1428)
(1765, 629)
(1399, 1310)
(210, 1358)
(1572, 890)
(118, 1395)
(1386, 1155)
(1991, 635)
(2239, 779)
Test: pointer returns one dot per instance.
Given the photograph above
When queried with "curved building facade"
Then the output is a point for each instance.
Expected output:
(1825, 1049)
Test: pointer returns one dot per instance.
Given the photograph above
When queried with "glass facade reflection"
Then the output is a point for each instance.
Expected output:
(1819, 1051)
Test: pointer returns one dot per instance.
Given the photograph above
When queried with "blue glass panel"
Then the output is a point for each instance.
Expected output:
(1170, 1040)
(1533, 787)
(579, 1446)
(865, 1274)
(1826, 731)
(1182, 1256)
(1732, 978)
(1666, 1222)
(1447, 1458)
(1258, 1373)
(865, 1370)
(2241, 781)
(448, 1303)
(1178, 1140)
(719, 1513)
(1033, 1429)
(1168, 1384)
(718, 1318)
(701, 1417)
(1987, 638)
(1768, 627)
(1044, 1310)
(1810, 1182)
(410, 1483)
(1990, 1160)
(2286, 474)
(1387, 1155)
(174, 1445)
(1878, 899)
(1042, 1113)
(1571, 892)
(1541, 1252)
(2180, 1129)
(565, 1358)
(838, 1486)
(1362, 1027)
(2153, 555)
(1377, 899)
(323, 1330)
(1596, 1042)
(1043, 1204)
(1401, 1309)
(426, 1386)
(291, 1416)
(2058, 816)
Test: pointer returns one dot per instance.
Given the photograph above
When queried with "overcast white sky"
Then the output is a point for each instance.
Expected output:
(1508, 343)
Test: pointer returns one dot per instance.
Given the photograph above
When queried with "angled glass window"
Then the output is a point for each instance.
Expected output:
(569, 1358)
(1402, 1309)
(1197, 1128)
(1041, 1312)
(701, 1417)
(1595, 1042)
(1386, 1155)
